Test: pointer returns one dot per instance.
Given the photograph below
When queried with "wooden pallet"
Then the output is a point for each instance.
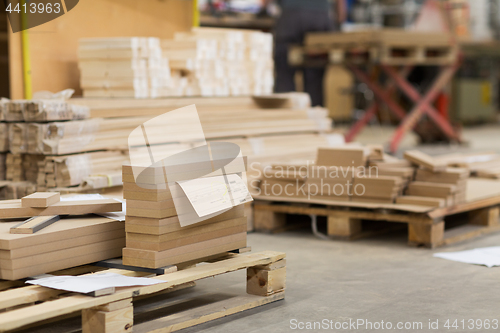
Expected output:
(31, 307)
(394, 55)
(387, 46)
(426, 228)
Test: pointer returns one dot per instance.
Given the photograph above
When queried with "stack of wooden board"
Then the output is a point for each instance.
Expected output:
(123, 67)
(155, 237)
(67, 243)
(38, 128)
(55, 138)
(220, 62)
(282, 179)
(435, 183)
(379, 189)
(73, 170)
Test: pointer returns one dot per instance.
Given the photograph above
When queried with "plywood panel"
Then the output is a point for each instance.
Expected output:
(53, 45)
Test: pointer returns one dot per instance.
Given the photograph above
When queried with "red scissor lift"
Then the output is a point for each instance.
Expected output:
(394, 53)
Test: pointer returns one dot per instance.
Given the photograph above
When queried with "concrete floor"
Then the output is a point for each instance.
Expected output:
(374, 279)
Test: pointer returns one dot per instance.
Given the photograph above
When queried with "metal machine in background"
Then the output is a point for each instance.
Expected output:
(475, 88)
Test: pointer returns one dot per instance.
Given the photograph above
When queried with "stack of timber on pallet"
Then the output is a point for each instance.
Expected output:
(220, 62)
(155, 237)
(366, 174)
(123, 67)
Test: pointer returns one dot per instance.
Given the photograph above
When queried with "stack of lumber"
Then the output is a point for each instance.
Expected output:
(55, 138)
(283, 180)
(155, 237)
(47, 144)
(122, 67)
(45, 242)
(67, 243)
(438, 184)
(73, 170)
(220, 62)
(366, 174)
(265, 136)
(378, 189)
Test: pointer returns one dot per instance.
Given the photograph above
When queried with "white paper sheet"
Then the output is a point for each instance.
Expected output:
(487, 256)
(89, 283)
(210, 195)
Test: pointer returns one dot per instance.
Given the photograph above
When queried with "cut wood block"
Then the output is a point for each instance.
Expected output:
(189, 232)
(63, 243)
(96, 321)
(63, 230)
(152, 213)
(48, 257)
(178, 242)
(424, 161)
(449, 176)
(342, 156)
(430, 235)
(34, 224)
(432, 190)
(405, 172)
(40, 199)
(154, 259)
(152, 226)
(343, 226)
(73, 261)
(13, 208)
(265, 282)
(421, 201)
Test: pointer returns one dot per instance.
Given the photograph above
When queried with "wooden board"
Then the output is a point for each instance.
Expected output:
(150, 226)
(59, 264)
(424, 161)
(34, 224)
(154, 259)
(66, 228)
(64, 243)
(13, 208)
(40, 199)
